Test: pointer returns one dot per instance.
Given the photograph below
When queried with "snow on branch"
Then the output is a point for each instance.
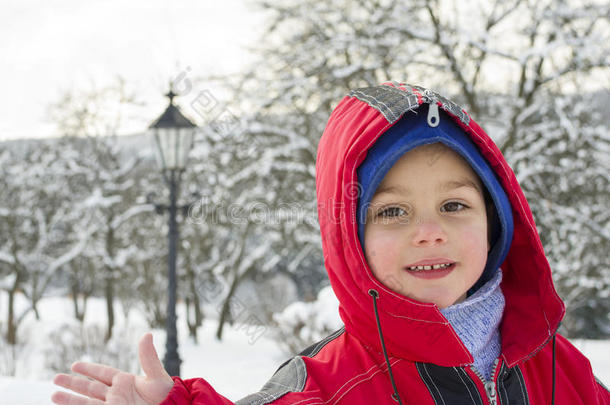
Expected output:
(486, 49)
(578, 217)
(6, 258)
(98, 200)
(129, 213)
(70, 255)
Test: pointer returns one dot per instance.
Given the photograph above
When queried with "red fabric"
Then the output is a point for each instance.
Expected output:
(194, 391)
(351, 369)
(575, 383)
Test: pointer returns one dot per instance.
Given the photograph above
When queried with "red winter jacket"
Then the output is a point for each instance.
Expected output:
(429, 362)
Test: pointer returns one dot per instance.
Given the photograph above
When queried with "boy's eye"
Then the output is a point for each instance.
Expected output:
(453, 206)
(392, 212)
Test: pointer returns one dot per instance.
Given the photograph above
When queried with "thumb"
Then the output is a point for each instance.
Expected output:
(149, 360)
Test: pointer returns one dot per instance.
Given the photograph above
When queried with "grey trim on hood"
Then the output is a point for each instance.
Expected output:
(393, 102)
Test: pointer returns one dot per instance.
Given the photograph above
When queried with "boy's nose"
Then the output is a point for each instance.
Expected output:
(428, 233)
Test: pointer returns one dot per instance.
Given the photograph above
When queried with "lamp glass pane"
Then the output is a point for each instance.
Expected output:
(170, 147)
(173, 146)
(186, 144)
(158, 147)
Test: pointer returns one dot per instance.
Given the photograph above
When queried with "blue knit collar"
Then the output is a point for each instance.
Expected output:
(476, 320)
(482, 294)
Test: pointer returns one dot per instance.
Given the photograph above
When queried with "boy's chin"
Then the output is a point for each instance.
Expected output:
(460, 299)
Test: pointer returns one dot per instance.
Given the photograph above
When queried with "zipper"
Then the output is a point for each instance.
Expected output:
(433, 117)
(490, 386)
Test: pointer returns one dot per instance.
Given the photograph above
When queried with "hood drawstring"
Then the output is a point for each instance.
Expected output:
(553, 396)
(395, 396)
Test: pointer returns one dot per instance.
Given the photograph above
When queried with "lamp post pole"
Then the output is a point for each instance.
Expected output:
(173, 134)
(172, 360)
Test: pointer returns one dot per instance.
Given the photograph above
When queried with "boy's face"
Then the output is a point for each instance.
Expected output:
(428, 210)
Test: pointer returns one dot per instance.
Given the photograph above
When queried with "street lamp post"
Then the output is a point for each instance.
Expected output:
(173, 134)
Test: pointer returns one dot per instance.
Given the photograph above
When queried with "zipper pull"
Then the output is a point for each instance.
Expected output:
(433, 117)
(490, 388)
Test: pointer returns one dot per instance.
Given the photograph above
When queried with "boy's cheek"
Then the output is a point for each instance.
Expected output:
(379, 264)
(375, 260)
(393, 282)
(474, 243)
(475, 236)
(377, 235)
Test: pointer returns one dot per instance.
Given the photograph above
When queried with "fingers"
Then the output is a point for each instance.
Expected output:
(63, 398)
(92, 389)
(151, 365)
(99, 372)
(95, 389)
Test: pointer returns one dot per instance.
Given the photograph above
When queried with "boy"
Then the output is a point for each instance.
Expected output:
(418, 210)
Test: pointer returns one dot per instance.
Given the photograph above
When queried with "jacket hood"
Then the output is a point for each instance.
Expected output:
(414, 330)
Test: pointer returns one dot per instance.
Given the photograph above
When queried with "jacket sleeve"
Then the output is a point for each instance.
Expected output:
(195, 391)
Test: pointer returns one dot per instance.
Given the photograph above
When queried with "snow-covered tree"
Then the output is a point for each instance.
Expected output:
(110, 190)
(301, 324)
(511, 64)
(34, 214)
(561, 161)
(229, 244)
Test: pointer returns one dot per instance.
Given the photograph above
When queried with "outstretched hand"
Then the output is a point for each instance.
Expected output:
(109, 386)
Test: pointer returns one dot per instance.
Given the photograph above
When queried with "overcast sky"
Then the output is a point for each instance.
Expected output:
(50, 47)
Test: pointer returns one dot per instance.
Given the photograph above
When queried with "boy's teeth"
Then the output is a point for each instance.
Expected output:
(431, 267)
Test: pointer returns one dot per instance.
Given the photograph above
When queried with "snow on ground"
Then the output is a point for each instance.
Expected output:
(238, 365)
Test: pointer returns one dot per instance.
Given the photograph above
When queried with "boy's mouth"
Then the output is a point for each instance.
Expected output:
(429, 269)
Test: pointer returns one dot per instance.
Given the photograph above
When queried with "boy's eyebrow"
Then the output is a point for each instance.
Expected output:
(453, 184)
(392, 190)
(446, 186)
